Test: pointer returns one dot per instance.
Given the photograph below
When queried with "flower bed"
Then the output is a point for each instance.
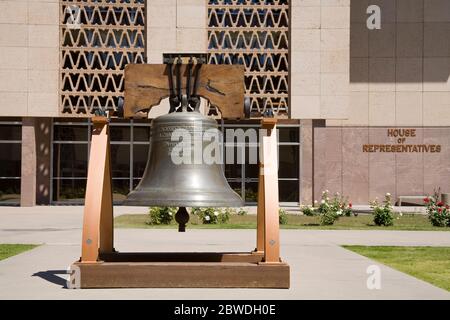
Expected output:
(383, 214)
(438, 212)
(329, 209)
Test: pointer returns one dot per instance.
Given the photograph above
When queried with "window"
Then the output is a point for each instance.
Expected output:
(10, 162)
(243, 178)
(71, 143)
(254, 33)
(129, 153)
(98, 38)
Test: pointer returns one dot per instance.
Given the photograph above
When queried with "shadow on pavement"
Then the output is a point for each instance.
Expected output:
(52, 276)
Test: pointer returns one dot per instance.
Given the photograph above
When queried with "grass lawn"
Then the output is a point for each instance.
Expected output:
(9, 250)
(431, 264)
(361, 222)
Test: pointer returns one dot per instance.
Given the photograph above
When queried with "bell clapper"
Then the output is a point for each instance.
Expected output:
(182, 217)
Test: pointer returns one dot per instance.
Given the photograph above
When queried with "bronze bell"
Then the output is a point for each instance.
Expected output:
(193, 184)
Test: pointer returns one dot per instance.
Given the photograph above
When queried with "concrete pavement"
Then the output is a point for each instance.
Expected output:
(320, 268)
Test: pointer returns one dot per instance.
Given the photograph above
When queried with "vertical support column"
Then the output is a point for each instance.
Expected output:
(43, 159)
(35, 176)
(307, 159)
(260, 215)
(98, 208)
(28, 165)
(306, 162)
(269, 195)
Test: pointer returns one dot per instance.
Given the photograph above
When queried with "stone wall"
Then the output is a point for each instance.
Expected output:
(174, 26)
(319, 64)
(399, 78)
(35, 179)
(29, 57)
(341, 165)
(400, 74)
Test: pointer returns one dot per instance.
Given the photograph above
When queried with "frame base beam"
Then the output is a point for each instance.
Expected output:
(205, 270)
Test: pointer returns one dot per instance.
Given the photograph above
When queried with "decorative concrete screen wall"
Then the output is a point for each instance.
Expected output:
(253, 33)
(97, 40)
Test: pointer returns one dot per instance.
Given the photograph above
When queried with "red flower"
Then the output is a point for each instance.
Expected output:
(426, 200)
(349, 204)
(447, 207)
(440, 210)
(440, 203)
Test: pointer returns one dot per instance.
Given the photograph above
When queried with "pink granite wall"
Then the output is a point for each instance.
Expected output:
(340, 165)
(35, 179)
(43, 141)
(28, 178)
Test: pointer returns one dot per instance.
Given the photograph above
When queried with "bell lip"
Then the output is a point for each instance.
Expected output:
(215, 204)
(187, 203)
(151, 199)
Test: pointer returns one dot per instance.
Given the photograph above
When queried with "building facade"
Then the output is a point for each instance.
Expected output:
(361, 89)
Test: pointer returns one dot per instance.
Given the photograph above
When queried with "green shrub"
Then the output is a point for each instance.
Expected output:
(224, 214)
(161, 215)
(330, 210)
(283, 217)
(212, 215)
(236, 211)
(438, 212)
(348, 211)
(307, 210)
(328, 217)
(383, 215)
(242, 212)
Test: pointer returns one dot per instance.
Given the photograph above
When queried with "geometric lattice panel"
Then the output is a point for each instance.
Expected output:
(254, 33)
(98, 38)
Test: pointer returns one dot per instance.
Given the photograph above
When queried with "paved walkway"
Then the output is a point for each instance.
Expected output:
(320, 268)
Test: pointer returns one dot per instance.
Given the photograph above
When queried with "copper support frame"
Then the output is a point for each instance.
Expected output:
(267, 233)
(100, 266)
(98, 209)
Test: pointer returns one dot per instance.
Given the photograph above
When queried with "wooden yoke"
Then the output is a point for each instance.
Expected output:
(268, 238)
(147, 84)
(98, 208)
